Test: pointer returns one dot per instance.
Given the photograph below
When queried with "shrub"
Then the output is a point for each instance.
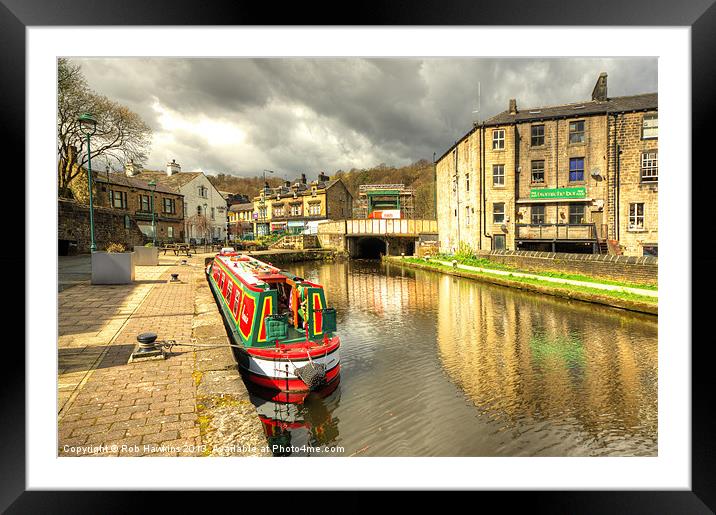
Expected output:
(115, 247)
(150, 244)
(465, 252)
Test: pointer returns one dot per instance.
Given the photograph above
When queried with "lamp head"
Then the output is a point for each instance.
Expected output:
(88, 125)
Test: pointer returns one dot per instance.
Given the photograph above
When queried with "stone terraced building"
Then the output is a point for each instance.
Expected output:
(579, 177)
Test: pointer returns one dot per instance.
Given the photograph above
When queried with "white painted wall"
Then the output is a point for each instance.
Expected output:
(213, 199)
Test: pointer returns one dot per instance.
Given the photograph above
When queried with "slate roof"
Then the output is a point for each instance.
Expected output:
(121, 179)
(173, 182)
(241, 207)
(645, 102)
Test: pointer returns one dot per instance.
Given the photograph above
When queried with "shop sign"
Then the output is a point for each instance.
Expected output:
(551, 193)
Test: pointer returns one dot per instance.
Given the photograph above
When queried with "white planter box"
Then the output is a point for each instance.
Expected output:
(112, 267)
(146, 256)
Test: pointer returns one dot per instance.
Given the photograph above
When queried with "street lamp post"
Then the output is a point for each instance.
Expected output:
(153, 185)
(269, 171)
(88, 126)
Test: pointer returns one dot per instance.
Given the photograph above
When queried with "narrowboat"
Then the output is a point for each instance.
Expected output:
(280, 323)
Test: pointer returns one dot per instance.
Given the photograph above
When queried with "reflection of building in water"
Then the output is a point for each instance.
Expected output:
(380, 294)
(520, 356)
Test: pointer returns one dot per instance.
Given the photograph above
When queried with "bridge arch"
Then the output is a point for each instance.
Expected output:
(368, 247)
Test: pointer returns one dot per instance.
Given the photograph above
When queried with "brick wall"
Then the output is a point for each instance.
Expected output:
(617, 268)
(73, 224)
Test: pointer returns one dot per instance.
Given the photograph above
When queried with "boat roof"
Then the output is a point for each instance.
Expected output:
(251, 271)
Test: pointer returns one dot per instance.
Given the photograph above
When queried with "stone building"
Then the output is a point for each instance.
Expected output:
(205, 210)
(579, 177)
(134, 197)
(241, 217)
(292, 208)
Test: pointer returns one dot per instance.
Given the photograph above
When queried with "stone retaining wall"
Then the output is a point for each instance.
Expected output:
(633, 269)
(73, 224)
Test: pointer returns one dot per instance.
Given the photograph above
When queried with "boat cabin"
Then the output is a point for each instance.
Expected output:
(269, 306)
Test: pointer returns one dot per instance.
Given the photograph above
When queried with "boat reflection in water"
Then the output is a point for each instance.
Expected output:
(294, 420)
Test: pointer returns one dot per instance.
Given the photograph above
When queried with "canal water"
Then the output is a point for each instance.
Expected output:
(436, 365)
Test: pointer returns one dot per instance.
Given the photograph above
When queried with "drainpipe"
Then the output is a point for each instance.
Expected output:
(617, 170)
(556, 179)
(517, 184)
(435, 189)
(457, 197)
(482, 185)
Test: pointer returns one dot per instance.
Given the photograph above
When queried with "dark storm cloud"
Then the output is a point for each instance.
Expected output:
(243, 115)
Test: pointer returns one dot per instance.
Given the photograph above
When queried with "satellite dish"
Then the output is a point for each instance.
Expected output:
(596, 172)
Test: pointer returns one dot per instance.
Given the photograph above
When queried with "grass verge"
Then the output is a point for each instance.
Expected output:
(486, 263)
(621, 300)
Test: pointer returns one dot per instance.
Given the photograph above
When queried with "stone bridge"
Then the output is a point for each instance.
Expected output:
(368, 238)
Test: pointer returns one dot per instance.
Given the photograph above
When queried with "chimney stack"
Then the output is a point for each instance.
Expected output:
(173, 168)
(130, 169)
(303, 178)
(513, 106)
(599, 93)
(322, 177)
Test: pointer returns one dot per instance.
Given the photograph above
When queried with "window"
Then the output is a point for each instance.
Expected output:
(119, 199)
(576, 214)
(498, 175)
(498, 242)
(576, 131)
(498, 213)
(203, 192)
(498, 139)
(212, 214)
(144, 202)
(650, 250)
(127, 222)
(649, 167)
(636, 216)
(198, 210)
(169, 205)
(467, 215)
(537, 172)
(314, 209)
(170, 231)
(650, 126)
(537, 214)
(576, 169)
(296, 210)
(467, 182)
(185, 210)
(278, 211)
(262, 212)
(537, 133)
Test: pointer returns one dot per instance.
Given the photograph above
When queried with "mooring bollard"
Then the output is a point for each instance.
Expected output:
(175, 278)
(146, 342)
(454, 263)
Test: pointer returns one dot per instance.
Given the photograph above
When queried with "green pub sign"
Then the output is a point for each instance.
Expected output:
(548, 193)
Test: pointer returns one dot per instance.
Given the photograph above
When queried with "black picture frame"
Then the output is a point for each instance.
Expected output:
(700, 16)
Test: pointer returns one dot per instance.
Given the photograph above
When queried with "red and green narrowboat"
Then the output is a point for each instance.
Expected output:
(281, 324)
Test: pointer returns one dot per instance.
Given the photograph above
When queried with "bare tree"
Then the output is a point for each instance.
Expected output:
(121, 134)
(202, 226)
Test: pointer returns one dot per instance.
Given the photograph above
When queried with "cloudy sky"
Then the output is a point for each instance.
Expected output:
(241, 116)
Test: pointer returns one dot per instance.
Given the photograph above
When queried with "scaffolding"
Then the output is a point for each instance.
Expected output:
(374, 199)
